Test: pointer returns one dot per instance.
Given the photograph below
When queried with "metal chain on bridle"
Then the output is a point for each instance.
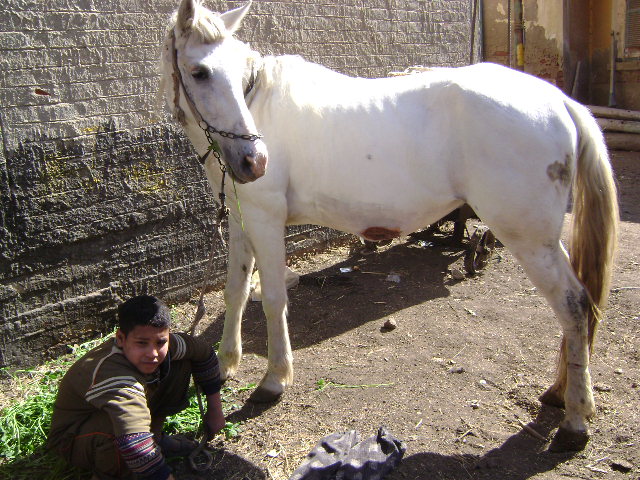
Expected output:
(223, 212)
(213, 148)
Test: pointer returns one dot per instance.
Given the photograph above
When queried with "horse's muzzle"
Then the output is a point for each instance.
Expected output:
(247, 163)
(257, 164)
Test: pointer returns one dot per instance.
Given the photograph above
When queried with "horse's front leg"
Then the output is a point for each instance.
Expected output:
(270, 254)
(236, 292)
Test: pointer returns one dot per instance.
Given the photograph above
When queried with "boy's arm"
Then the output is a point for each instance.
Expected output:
(214, 417)
(143, 456)
(204, 362)
(206, 374)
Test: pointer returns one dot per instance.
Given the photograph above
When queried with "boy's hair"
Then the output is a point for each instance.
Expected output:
(143, 310)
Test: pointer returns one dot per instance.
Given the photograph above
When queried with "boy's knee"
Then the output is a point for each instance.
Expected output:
(99, 453)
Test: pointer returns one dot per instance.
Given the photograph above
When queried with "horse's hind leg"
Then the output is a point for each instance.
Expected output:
(554, 395)
(236, 292)
(549, 269)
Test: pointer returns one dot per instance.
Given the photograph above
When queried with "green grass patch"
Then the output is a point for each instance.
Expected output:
(323, 384)
(25, 422)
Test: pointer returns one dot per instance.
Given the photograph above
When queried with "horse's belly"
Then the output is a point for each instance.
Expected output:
(372, 221)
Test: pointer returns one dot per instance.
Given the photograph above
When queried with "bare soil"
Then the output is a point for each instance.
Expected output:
(456, 380)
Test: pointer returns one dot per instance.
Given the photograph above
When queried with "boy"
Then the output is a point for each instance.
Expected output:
(112, 403)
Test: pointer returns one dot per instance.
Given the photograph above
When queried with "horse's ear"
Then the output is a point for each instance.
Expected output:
(233, 18)
(186, 14)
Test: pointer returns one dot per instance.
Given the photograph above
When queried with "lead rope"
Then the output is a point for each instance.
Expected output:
(223, 213)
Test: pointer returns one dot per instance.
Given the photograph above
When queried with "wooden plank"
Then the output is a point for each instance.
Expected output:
(618, 113)
(623, 141)
(613, 125)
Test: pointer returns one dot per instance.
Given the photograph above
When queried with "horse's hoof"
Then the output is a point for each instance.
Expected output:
(262, 395)
(553, 397)
(569, 441)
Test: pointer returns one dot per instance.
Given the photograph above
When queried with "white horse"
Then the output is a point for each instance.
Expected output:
(381, 158)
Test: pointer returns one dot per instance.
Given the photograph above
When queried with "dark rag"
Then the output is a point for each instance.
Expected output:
(342, 456)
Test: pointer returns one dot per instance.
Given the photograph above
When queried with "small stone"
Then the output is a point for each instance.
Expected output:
(618, 371)
(395, 278)
(390, 324)
(457, 370)
(484, 385)
(602, 388)
(623, 438)
(457, 274)
(621, 465)
(475, 404)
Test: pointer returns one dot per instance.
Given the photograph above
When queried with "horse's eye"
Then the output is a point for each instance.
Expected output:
(200, 73)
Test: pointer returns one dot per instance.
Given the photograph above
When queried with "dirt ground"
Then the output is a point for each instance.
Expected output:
(456, 380)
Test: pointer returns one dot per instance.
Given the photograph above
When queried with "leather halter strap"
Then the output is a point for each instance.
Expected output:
(202, 123)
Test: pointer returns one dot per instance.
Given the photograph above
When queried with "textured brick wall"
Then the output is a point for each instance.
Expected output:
(101, 197)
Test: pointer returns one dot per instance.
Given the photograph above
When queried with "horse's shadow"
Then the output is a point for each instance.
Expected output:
(329, 302)
(520, 457)
(332, 301)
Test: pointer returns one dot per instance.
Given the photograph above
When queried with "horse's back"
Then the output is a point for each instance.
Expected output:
(412, 147)
(519, 153)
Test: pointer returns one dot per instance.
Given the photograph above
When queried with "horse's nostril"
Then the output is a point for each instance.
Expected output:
(257, 164)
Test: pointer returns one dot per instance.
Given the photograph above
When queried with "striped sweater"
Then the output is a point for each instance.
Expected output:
(105, 380)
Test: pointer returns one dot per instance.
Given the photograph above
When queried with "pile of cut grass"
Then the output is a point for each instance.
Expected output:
(25, 422)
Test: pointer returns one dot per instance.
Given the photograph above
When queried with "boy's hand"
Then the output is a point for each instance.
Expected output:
(214, 417)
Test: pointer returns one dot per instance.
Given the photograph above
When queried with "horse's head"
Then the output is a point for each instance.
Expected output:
(207, 72)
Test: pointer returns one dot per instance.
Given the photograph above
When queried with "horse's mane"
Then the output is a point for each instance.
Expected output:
(207, 25)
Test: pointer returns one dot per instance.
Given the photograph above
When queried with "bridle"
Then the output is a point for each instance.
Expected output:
(213, 148)
(208, 129)
(223, 210)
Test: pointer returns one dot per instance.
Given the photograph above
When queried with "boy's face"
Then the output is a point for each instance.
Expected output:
(145, 347)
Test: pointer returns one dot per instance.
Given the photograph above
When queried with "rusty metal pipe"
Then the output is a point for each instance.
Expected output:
(612, 73)
(518, 28)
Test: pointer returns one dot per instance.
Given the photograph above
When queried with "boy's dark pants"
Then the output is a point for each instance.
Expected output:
(92, 445)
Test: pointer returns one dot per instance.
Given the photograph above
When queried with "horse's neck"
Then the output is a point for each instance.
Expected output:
(284, 69)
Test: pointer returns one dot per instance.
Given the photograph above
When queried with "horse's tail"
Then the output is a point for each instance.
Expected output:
(594, 229)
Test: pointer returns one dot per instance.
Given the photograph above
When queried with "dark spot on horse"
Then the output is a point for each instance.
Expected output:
(378, 234)
(568, 160)
(369, 156)
(244, 268)
(573, 304)
(578, 305)
(558, 171)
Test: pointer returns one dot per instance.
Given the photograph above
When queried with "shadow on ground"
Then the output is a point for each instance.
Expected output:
(521, 457)
(422, 272)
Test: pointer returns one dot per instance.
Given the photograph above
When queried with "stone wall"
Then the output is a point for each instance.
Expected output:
(543, 24)
(100, 192)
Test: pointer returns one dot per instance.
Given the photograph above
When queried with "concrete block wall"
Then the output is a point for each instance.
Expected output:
(101, 196)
